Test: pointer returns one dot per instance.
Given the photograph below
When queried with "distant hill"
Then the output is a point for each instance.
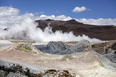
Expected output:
(103, 32)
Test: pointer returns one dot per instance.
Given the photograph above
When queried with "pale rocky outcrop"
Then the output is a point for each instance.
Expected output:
(83, 64)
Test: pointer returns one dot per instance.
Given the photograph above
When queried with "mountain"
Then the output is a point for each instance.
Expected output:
(103, 32)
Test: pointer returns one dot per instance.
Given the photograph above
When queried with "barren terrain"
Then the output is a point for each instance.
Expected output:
(80, 64)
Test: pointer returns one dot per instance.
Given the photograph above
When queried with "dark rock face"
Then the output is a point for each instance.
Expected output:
(113, 46)
(13, 71)
(114, 52)
(105, 48)
(55, 47)
(57, 73)
(6, 29)
(46, 73)
(103, 32)
(108, 49)
(49, 20)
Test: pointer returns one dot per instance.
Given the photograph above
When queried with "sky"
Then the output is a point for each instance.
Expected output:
(94, 8)
(19, 16)
(95, 12)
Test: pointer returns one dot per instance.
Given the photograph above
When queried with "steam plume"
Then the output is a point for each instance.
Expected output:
(27, 30)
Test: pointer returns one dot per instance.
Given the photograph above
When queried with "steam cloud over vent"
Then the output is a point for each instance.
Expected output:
(27, 30)
(14, 26)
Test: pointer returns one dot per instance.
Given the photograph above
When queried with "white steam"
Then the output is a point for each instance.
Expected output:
(23, 26)
(27, 30)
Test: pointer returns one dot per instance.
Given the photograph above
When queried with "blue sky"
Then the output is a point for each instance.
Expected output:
(97, 8)
(19, 15)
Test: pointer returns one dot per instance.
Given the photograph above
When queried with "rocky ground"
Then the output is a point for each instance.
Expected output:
(57, 59)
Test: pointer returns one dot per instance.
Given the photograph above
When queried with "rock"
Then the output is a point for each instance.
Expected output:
(84, 64)
(111, 56)
(55, 47)
(40, 47)
(11, 74)
(56, 73)
(81, 46)
(3, 73)
(27, 48)
(105, 48)
(62, 48)
(114, 52)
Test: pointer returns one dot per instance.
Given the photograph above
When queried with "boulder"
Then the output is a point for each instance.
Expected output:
(81, 46)
(62, 48)
(111, 56)
(55, 47)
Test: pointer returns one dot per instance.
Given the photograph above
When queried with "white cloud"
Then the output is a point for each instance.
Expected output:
(13, 18)
(39, 13)
(8, 11)
(44, 17)
(27, 30)
(80, 9)
(99, 21)
(60, 17)
(17, 24)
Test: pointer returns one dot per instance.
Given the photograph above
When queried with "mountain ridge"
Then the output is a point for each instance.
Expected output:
(103, 32)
